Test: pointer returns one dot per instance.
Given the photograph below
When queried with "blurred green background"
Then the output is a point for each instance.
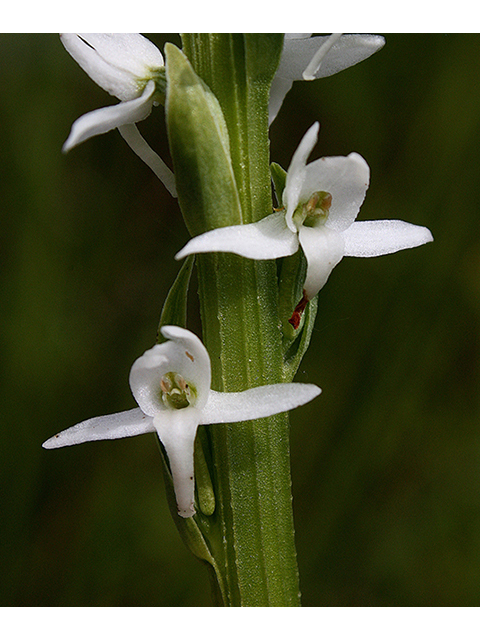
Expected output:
(385, 464)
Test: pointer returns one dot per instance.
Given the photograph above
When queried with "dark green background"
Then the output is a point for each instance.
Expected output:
(386, 463)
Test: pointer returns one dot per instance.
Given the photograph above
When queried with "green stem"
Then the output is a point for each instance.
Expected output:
(251, 532)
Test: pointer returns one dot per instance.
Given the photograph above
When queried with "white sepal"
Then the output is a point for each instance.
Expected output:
(102, 120)
(264, 240)
(301, 54)
(313, 67)
(120, 63)
(370, 238)
(116, 425)
(348, 50)
(259, 402)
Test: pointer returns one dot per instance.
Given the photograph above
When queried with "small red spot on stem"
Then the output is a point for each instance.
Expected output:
(297, 312)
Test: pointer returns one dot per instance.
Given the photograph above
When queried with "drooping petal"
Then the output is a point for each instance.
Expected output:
(264, 240)
(298, 53)
(296, 174)
(120, 63)
(117, 425)
(346, 179)
(258, 402)
(177, 430)
(183, 354)
(139, 145)
(323, 249)
(367, 239)
(103, 120)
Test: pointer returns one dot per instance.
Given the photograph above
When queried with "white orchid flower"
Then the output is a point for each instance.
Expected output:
(320, 203)
(307, 58)
(129, 67)
(171, 384)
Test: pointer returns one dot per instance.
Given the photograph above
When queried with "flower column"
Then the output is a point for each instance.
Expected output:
(219, 141)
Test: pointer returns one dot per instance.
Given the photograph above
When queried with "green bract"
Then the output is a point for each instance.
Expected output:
(200, 148)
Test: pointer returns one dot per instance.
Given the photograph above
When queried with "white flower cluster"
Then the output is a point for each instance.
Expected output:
(320, 203)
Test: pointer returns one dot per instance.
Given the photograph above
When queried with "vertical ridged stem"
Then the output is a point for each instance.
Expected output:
(239, 306)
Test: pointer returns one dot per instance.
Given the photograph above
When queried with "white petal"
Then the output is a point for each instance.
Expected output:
(347, 51)
(258, 402)
(138, 144)
(183, 354)
(116, 81)
(129, 51)
(177, 430)
(323, 249)
(111, 427)
(103, 120)
(119, 63)
(296, 173)
(346, 178)
(264, 240)
(372, 238)
(280, 85)
(313, 67)
(298, 52)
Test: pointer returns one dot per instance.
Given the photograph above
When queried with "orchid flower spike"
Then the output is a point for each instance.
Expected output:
(131, 68)
(307, 58)
(320, 203)
(171, 384)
